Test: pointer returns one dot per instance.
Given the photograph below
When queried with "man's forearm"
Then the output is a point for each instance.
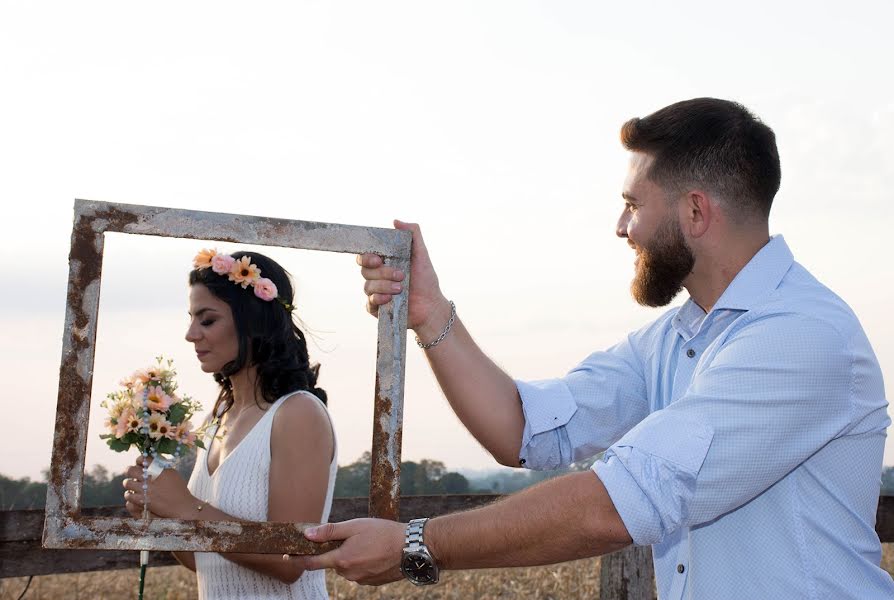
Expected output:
(481, 394)
(561, 519)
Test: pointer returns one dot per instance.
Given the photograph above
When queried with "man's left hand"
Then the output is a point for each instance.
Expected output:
(370, 554)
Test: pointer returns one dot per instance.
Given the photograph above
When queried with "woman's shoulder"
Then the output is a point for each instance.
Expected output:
(302, 411)
(302, 426)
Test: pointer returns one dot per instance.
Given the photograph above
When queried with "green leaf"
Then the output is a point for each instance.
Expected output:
(200, 444)
(166, 446)
(177, 413)
(119, 445)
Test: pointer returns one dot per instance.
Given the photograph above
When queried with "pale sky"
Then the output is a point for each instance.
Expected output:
(493, 124)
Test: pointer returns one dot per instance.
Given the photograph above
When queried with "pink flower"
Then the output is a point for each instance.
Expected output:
(265, 289)
(222, 263)
(158, 400)
(184, 434)
(127, 422)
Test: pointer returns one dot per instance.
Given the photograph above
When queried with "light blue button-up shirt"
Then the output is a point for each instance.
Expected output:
(745, 445)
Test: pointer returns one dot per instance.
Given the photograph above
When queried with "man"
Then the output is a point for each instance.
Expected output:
(743, 431)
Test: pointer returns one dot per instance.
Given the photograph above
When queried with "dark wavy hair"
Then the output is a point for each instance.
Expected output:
(269, 339)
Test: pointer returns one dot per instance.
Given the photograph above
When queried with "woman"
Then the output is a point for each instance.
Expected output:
(270, 453)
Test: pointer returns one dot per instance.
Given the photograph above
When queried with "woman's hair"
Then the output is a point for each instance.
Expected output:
(269, 339)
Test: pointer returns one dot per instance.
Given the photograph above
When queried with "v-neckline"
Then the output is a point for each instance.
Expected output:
(234, 450)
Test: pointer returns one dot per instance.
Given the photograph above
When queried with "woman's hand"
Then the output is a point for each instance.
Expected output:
(168, 494)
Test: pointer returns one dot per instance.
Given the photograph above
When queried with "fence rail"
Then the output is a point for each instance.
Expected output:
(21, 553)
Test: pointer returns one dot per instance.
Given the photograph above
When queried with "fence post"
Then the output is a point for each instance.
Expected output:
(627, 575)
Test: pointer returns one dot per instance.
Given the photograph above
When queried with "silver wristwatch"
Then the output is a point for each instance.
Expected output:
(417, 563)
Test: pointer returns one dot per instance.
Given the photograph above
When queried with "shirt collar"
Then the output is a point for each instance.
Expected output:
(759, 277)
(754, 282)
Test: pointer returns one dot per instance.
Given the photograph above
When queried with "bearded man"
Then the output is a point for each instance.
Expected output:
(742, 432)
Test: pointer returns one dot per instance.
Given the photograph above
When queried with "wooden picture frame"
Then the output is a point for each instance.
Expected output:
(64, 525)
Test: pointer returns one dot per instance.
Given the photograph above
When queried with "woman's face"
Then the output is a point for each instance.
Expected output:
(211, 329)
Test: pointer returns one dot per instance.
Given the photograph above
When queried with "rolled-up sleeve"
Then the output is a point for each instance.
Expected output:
(773, 394)
(651, 473)
(581, 414)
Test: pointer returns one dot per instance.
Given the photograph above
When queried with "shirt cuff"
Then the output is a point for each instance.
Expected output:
(639, 516)
(548, 406)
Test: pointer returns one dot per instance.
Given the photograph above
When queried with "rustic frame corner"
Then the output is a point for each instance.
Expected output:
(64, 525)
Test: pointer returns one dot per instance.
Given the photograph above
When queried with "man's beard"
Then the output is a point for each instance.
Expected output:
(662, 266)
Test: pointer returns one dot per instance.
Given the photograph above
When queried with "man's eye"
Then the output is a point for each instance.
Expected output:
(631, 208)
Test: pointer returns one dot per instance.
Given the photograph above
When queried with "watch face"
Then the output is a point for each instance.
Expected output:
(418, 568)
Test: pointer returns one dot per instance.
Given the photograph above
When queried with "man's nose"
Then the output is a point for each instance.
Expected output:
(621, 227)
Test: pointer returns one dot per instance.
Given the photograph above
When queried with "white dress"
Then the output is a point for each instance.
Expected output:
(239, 487)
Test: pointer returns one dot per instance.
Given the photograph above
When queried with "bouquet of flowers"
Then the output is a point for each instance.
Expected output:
(148, 414)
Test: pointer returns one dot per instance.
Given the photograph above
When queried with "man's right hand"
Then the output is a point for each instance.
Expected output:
(428, 308)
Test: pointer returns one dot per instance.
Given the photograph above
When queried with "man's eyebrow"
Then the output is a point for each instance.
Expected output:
(628, 197)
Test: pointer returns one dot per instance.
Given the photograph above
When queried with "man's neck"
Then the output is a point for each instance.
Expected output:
(715, 270)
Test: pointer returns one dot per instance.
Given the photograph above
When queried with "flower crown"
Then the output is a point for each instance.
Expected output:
(240, 271)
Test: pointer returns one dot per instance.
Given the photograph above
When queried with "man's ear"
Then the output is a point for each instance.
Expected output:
(697, 212)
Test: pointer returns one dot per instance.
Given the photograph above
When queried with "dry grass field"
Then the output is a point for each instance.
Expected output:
(579, 579)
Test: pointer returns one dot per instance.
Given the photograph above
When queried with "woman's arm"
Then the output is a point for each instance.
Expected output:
(301, 448)
(302, 436)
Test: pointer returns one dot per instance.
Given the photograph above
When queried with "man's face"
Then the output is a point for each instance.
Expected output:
(650, 224)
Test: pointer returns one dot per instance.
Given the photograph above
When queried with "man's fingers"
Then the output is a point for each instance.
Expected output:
(382, 287)
(315, 563)
(370, 261)
(329, 531)
(382, 273)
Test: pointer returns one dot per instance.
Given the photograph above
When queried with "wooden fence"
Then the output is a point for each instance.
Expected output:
(626, 575)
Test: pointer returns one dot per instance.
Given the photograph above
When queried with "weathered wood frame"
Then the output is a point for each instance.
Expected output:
(65, 526)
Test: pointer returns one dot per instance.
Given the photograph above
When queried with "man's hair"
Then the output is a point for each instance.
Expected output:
(717, 145)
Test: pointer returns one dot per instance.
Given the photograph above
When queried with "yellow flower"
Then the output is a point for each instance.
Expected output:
(202, 260)
(244, 272)
(158, 426)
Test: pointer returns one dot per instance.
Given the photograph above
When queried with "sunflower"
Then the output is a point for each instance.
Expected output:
(203, 258)
(244, 272)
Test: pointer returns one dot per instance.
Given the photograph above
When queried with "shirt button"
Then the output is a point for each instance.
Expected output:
(522, 462)
(690, 353)
(680, 568)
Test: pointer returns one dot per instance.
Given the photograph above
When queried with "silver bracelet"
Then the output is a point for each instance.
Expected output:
(443, 333)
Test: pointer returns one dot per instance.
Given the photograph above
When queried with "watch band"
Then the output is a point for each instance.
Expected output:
(417, 564)
(413, 541)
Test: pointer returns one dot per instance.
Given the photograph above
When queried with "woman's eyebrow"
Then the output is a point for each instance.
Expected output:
(200, 312)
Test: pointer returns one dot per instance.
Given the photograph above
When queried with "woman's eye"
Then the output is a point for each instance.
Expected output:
(207, 323)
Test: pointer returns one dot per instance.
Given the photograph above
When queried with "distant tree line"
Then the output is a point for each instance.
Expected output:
(101, 488)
